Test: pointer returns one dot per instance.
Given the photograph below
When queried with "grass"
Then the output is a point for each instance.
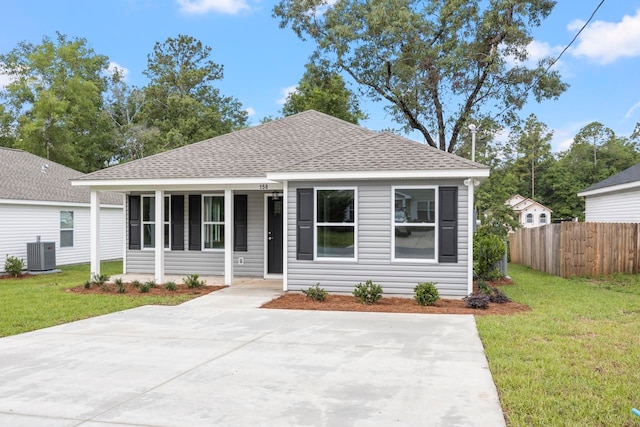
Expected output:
(575, 358)
(40, 301)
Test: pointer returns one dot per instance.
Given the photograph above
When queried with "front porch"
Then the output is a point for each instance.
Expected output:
(275, 284)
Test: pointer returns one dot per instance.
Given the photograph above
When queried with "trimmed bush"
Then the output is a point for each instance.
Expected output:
(477, 300)
(498, 297)
(99, 279)
(150, 283)
(488, 249)
(192, 281)
(136, 284)
(145, 287)
(316, 293)
(426, 293)
(171, 286)
(13, 266)
(369, 293)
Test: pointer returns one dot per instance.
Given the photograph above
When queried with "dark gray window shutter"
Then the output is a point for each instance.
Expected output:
(195, 222)
(177, 223)
(134, 222)
(448, 226)
(304, 235)
(240, 222)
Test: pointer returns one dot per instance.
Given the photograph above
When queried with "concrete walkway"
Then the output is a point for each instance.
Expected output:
(219, 361)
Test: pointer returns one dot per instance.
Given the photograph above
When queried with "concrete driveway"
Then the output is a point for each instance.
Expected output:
(219, 361)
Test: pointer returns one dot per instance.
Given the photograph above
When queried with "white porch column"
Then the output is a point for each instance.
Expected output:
(228, 237)
(159, 237)
(471, 186)
(95, 232)
(285, 234)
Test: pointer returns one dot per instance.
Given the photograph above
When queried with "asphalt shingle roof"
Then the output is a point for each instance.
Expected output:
(308, 141)
(24, 176)
(631, 174)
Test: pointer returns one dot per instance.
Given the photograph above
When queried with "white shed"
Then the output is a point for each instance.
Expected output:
(615, 199)
(37, 199)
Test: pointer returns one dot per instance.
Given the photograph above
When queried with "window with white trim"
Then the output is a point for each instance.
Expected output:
(529, 218)
(543, 218)
(149, 222)
(414, 223)
(213, 221)
(335, 223)
(66, 229)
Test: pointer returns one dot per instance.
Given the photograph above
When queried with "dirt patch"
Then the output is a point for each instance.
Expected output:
(298, 301)
(22, 276)
(130, 290)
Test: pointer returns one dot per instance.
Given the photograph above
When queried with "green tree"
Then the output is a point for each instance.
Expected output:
(530, 148)
(54, 101)
(438, 64)
(7, 134)
(594, 134)
(180, 100)
(325, 91)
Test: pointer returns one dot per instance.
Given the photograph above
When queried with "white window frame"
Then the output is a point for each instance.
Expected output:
(72, 230)
(203, 223)
(353, 224)
(528, 217)
(167, 242)
(542, 216)
(436, 201)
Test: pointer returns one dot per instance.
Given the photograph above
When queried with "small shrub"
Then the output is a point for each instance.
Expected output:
(476, 300)
(170, 286)
(118, 281)
(316, 293)
(136, 284)
(13, 266)
(426, 293)
(498, 297)
(488, 249)
(120, 288)
(87, 284)
(369, 293)
(99, 279)
(145, 287)
(150, 283)
(192, 281)
(105, 287)
(483, 287)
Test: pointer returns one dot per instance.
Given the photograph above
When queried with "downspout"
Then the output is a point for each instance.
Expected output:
(471, 185)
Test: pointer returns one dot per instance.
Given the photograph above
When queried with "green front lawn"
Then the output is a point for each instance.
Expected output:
(575, 358)
(40, 301)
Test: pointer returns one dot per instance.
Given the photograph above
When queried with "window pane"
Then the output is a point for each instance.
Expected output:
(336, 206)
(417, 205)
(213, 209)
(415, 242)
(166, 235)
(167, 209)
(336, 242)
(66, 238)
(149, 235)
(66, 220)
(214, 236)
(148, 209)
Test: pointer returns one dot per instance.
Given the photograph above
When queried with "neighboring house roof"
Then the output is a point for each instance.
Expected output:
(25, 176)
(628, 178)
(521, 205)
(305, 142)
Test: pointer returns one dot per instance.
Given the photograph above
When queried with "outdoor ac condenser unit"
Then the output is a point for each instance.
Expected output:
(41, 256)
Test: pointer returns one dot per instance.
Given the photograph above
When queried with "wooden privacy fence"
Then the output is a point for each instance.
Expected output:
(578, 248)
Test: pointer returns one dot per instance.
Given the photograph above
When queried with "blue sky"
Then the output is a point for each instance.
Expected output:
(262, 62)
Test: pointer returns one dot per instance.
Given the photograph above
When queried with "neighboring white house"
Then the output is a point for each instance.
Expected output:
(615, 199)
(308, 198)
(37, 199)
(530, 213)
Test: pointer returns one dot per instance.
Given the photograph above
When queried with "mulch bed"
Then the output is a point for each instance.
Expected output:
(132, 291)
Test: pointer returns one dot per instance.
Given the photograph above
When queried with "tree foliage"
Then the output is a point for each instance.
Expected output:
(54, 101)
(181, 101)
(324, 90)
(438, 64)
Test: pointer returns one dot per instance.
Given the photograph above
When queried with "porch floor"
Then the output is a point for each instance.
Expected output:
(275, 284)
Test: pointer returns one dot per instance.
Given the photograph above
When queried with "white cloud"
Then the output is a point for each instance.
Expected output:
(631, 110)
(563, 137)
(604, 42)
(201, 7)
(114, 66)
(535, 52)
(285, 94)
(250, 111)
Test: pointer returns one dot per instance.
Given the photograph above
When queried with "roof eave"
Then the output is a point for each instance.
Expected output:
(610, 189)
(378, 174)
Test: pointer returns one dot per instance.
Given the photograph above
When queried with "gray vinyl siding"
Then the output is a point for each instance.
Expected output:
(374, 247)
(209, 263)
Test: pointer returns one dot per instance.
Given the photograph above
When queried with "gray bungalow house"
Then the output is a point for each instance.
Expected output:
(308, 198)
